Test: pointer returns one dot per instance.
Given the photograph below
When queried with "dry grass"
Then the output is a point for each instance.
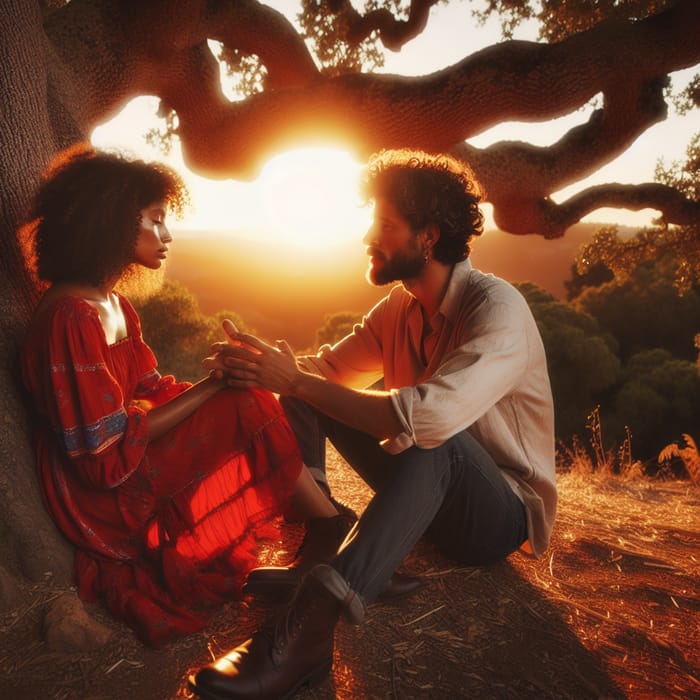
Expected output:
(687, 453)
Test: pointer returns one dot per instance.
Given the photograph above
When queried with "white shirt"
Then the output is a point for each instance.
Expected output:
(481, 367)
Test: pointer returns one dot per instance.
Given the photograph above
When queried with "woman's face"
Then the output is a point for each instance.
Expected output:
(154, 237)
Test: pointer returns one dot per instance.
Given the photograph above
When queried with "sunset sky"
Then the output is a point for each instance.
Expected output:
(285, 201)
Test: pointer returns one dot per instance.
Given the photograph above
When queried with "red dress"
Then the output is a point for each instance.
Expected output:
(164, 531)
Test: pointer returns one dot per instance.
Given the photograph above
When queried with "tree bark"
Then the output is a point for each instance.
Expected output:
(31, 131)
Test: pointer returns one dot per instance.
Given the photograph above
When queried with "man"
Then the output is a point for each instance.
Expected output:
(459, 444)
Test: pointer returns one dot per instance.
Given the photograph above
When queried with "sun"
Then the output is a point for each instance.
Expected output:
(309, 198)
(306, 198)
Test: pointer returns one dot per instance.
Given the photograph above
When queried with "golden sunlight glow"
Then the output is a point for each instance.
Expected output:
(305, 198)
(309, 199)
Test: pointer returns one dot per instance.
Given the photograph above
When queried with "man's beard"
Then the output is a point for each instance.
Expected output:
(403, 265)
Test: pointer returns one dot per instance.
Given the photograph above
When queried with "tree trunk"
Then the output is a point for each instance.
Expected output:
(33, 127)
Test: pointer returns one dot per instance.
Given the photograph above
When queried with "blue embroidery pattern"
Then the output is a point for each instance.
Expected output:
(97, 436)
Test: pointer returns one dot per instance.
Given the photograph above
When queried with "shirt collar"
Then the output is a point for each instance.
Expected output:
(449, 307)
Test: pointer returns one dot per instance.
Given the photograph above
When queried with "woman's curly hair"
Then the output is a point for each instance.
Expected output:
(85, 217)
(429, 189)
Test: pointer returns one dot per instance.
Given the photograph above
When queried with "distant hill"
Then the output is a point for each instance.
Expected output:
(284, 292)
(281, 291)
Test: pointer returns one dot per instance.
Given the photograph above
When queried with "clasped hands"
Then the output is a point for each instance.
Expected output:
(246, 362)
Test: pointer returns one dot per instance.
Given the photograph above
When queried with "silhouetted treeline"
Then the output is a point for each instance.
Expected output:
(629, 348)
(178, 332)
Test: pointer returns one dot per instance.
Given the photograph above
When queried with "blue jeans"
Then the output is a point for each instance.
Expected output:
(455, 494)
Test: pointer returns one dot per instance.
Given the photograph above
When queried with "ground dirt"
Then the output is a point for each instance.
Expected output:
(611, 611)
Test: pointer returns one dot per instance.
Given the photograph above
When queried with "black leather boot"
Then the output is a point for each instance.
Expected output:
(295, 651)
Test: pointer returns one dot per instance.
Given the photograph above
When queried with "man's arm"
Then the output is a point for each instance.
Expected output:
(371, 412)
(251, 363)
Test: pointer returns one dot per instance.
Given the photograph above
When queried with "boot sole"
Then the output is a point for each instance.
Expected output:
(313, 678)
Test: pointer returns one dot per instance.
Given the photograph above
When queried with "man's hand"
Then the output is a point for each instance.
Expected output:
(247, 362)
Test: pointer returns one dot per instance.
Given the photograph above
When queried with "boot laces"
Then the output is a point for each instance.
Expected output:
(288, 625)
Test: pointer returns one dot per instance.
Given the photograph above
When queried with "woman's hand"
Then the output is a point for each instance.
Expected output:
(247, 362)
(163, 418)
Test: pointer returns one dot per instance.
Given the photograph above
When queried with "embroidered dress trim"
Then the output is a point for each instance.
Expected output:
(96, 437)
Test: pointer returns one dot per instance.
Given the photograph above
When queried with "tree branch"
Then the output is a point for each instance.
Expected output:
(512, 80)
(116, 48)
(674, 207)
(256, 29)
(392, 32)
(519, 192)
(525, 81)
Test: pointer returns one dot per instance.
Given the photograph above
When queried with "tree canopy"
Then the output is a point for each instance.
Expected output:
(582, 359)
(71, 66)
(608, 354)
(630, 311)
(315, 84)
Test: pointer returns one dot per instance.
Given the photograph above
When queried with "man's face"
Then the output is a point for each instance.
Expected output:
(395, 252)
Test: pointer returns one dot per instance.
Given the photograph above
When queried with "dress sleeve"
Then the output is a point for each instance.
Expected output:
(104, 438)
(152, 389)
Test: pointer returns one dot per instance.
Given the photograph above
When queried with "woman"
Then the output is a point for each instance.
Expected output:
(162, 486)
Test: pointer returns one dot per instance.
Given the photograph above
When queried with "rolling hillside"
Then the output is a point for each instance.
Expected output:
(284, 292)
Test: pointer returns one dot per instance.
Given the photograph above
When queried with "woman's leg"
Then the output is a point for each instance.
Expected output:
(309, 500)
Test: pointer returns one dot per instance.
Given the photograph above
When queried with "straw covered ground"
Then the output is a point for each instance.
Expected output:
(612, 611)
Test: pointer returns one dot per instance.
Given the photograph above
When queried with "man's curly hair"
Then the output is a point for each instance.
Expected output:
(429, 189)
(85, 217)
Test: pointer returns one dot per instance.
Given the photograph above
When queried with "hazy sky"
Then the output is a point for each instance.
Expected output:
(286, 193)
